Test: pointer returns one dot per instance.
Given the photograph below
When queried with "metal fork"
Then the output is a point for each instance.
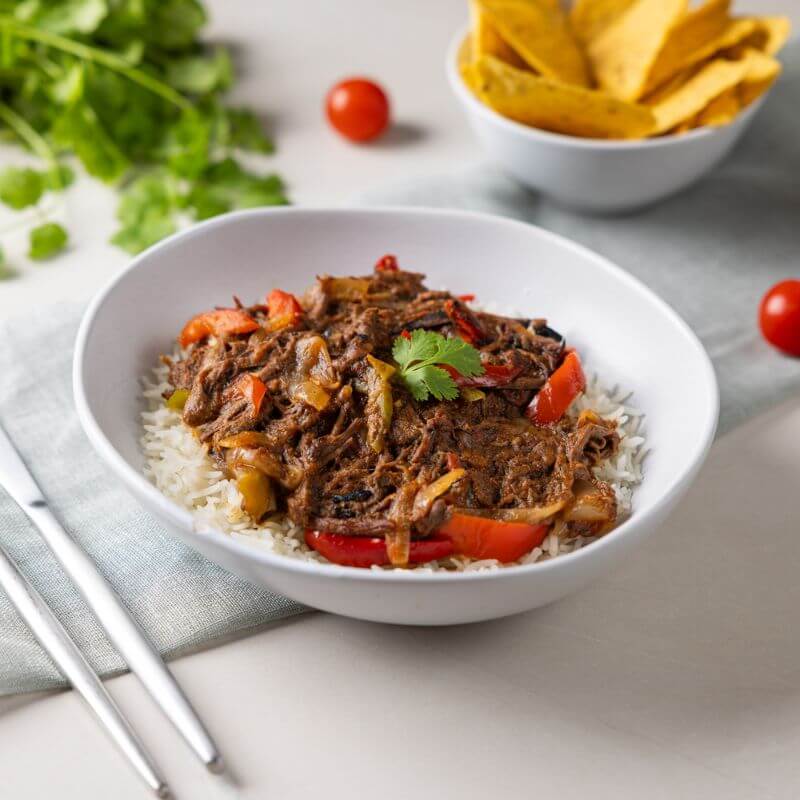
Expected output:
(123, 631)
(71, 663)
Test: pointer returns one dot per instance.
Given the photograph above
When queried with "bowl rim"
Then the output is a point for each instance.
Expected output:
(666, 140)
(150, 495)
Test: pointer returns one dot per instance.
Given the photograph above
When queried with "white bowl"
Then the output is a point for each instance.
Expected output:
(622, 329)
(595, 175)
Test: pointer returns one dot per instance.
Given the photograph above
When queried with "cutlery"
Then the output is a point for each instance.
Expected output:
(120, 627)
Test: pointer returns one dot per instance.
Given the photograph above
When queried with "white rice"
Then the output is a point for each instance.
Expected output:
(179, 465)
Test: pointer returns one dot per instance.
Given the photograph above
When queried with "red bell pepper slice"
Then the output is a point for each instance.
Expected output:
(220, 322)
(387, 263)
(493, 375)
(481, 537)
(368, 551)
(464, 322)
(252, 388)
(561, 388)
(466, 298)
(282, 304)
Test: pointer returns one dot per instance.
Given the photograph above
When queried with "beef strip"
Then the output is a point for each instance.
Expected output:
(328, 474)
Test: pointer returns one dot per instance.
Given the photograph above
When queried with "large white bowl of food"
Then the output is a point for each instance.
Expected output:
(409, 416)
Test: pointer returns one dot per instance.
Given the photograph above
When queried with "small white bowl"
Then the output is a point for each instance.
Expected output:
(595, 175)
(626, 334)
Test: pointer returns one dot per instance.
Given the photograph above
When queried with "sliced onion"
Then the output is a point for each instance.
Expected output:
(379, 402)
(425, 496)
(346, 288)
(533, 515)
(590, 504)
(311, 393)
(245, 439)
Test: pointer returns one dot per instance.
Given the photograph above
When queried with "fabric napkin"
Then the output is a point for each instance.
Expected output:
(181, 599)
(710, 251)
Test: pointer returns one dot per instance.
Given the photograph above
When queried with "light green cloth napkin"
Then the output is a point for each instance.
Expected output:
(182, 600)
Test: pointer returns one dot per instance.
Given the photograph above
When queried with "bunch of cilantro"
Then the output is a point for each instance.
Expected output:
(129, 89)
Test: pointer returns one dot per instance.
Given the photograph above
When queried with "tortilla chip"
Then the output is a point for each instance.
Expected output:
(589, 18)
(691, 34)
(539, 32)
(693, 96)
(670, 86)
(486, 41)
(623, 54)
(686, 125)
(771, 34)
(762, 71)
(721, 110)
(556, 106)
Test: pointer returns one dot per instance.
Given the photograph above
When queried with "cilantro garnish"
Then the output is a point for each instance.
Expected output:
(133, 92)
(421, 358)
(46, 240)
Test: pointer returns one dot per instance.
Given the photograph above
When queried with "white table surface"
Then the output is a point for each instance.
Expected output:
(677, 677)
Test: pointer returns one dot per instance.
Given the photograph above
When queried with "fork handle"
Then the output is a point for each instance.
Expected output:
(125, 634)
(71, 663)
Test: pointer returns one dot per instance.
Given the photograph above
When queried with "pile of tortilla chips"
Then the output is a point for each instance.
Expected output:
(619, 69)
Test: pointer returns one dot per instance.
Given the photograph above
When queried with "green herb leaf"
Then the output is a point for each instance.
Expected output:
(59, 177)
(201, 74)
(126, 86)
(225, 186)
(63, 16)
(47, 240)
(148, 211)
(79, 128)
(20, 187)
(421, 356)
(247, 132)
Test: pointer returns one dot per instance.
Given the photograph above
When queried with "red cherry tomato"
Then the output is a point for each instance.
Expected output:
(358, 109)
(779, 316)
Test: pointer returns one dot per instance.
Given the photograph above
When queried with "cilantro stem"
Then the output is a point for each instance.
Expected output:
(98, 56)
(35, 141)
(28, 134)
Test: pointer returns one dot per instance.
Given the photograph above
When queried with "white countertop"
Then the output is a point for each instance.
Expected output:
(676, 677)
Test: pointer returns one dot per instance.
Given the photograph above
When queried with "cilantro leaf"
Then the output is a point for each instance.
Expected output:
(46, 240)
(63, 16)
(246, 131)
(421, 358)
(59, 177)
(200, 74)
(79, 128)
(225, 186)
(20, 187)
(126, 86)
(147, 211)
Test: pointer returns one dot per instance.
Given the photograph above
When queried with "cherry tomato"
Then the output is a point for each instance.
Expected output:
(358, 109)
(779, 316)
